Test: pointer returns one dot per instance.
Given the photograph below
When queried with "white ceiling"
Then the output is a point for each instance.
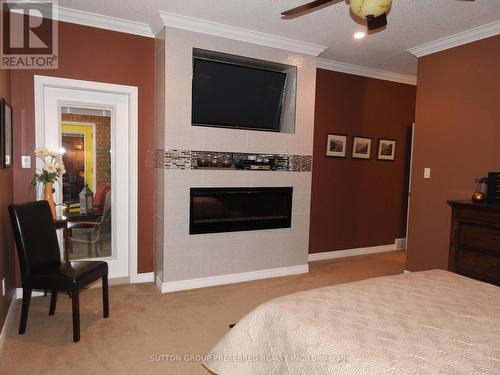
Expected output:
(411, 23)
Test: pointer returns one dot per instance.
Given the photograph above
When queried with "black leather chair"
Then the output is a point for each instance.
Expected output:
(41, 265)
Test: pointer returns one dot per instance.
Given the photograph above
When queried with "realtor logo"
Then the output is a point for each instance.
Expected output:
(29, 35)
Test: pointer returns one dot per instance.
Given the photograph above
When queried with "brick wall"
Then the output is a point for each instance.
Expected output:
(102, 144)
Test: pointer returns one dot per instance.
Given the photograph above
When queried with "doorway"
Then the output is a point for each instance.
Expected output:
(101, 161)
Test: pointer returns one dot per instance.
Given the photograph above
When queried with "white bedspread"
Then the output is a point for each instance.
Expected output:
(432, 322)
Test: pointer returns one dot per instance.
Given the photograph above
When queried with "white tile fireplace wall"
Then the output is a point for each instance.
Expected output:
(190, 261)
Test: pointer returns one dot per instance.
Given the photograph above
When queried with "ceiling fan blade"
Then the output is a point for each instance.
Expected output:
(309, 6)
(375, 23)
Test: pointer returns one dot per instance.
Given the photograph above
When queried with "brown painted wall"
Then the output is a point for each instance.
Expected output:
(457, 134)
(96, 55)
(6, 241)
(359, 203)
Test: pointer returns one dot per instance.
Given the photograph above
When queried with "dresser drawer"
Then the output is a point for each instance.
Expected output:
(478, 236)
(478, 264)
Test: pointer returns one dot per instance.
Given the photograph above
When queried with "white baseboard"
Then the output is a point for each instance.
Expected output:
(158, 283)
(400, 243)
(174, 286)
(9, 320)
(139, 278)
(19, 293)
(351, 252)
(406, 271)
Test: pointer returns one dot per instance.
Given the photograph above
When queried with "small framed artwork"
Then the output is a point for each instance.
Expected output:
(6, 141)
(336, 145)
(386, 149)
(361, 148)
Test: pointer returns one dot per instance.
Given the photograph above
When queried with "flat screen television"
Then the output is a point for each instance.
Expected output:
(237, 96)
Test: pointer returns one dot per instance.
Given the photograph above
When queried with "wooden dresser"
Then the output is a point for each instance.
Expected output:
(475, 240)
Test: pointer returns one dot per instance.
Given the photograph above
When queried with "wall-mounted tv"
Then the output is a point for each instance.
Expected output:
(237, 95)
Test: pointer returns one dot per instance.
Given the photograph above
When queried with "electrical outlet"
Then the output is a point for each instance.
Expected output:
(3, 287)
(26, 161)
(427, 173)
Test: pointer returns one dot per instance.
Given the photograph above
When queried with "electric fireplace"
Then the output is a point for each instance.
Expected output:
(215, 210)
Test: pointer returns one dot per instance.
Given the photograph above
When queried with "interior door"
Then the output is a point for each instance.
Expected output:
(122, 198)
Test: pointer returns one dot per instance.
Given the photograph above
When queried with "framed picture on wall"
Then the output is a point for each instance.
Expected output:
(6, 139)
(386, 149)
(361, 148)
(336, 145)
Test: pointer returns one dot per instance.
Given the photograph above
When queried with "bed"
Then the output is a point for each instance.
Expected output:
(432, 322)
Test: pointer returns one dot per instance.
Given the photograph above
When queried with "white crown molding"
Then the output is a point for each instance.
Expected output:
(100, 21)
(174, 286)
(156, 24)
(465, 37)
(104, 22)
(366, 71)
(237, 33)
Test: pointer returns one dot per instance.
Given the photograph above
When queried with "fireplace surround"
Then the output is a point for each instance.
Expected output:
(187, 261)
(221, 209)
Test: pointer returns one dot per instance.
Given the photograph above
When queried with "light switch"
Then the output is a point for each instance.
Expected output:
(26, 161)
(427, 173)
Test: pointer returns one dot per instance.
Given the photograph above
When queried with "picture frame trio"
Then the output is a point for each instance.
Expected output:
(6, 135)
(336, 146)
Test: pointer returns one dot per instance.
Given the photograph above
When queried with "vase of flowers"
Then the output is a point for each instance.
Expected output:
(51, 170)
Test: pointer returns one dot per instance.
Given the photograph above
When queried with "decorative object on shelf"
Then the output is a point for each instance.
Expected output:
(361, 148)
(493, 195)
(203, 162)
(336, 145)
(479, 195)
(227, 163)
(6, 138)
(86, 200)
(215, 162)
(51, 171)
(386, 149)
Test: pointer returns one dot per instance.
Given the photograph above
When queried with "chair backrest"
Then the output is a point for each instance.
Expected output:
(35, 234)
(100, 196)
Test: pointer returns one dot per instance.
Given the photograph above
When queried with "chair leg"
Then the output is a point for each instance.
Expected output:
(105, 296)
(75, 300)
(53, 302)
(89, 245)
(24, 310)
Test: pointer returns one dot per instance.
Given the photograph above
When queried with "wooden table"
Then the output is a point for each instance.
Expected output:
(61, 222)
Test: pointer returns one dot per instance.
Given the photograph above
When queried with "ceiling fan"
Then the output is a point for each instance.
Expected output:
(374, 11)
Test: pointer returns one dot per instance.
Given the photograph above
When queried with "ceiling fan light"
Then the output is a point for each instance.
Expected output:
(363, 8)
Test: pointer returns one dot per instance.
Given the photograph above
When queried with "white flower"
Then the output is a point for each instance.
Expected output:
(55, 155)
(59, 166)
(41, 152)
(50, 168)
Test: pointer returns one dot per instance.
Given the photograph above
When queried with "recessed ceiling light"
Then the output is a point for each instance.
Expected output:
(359, 35)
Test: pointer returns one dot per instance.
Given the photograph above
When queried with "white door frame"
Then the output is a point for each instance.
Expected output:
(409, 182)
(47, 135)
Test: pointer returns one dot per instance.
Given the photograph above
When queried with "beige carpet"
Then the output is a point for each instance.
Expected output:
(143, 323)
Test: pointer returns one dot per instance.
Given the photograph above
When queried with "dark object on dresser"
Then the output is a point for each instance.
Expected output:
(475, 240)
(493, 195)
(41, 265)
